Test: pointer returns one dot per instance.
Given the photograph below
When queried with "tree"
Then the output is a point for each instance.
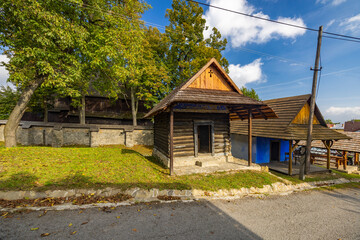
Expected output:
(64, 45)
(189, 51)
(250, 93)
(8, 100)
(328, 121)
(149, 77)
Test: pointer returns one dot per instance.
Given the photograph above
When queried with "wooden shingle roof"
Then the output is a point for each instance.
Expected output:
(199, 89)
(287, 109)
(351, 145)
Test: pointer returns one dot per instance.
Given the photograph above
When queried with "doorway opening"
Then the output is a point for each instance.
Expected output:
(204, 141)
(274, 151)
(203, 137)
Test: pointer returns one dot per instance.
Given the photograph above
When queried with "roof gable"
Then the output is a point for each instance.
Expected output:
(303, 116)
(211, 85)
(212, 77)
(285, 127)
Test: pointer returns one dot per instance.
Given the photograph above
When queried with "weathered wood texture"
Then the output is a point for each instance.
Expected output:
(161, 133)
(184, 132)
(282, 128)
(303, 116)
(250, 138)
(352, 145)
(211, 79)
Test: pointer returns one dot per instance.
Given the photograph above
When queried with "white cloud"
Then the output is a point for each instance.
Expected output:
(3, 72)
(241, 30)
(251, 72)
(330, 23)
(352, 24)
(342, 113)
(332, 2)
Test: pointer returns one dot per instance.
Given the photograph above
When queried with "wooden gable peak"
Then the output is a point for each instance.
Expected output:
(212, 77)
(303, 115)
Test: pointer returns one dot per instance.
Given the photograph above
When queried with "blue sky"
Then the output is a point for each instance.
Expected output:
(276, 60)
(287, 72)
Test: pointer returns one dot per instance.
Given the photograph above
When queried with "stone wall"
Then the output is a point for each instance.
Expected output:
(93, 135)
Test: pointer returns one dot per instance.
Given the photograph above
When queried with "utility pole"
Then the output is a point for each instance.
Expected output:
(305, 168)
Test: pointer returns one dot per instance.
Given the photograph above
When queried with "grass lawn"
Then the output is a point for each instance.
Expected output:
(318, 176)
(44, 168)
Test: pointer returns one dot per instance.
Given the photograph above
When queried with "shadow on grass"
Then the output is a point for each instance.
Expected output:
(27, 181)
(19, 181)
(149, 158)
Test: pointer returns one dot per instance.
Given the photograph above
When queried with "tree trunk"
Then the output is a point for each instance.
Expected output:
(133, 107)
(18, 112)
(46, 115)
(82, 110)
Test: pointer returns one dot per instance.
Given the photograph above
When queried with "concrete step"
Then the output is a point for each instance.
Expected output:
(349, 169)
(210, 162)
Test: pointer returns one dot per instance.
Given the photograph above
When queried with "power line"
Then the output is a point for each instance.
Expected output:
(104, 11)
(253, 16)
(305, 78)
(163, 27)
(273, 21)
(340, 35)
(270, 55)
(350, 40)
(317, 92)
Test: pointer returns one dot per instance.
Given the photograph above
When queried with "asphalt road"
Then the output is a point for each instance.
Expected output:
(306, 215)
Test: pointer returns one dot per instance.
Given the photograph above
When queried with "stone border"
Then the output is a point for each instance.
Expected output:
(141, 195)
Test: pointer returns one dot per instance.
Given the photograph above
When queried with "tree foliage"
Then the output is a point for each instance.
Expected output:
(328, 121)
(149, 76)
(8, 100)
(67, 45)
(250, 93)
(189, 50)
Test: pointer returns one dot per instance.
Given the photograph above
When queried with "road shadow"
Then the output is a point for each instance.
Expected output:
(192, 220)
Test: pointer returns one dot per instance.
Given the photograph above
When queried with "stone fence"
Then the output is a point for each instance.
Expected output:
(67, 134)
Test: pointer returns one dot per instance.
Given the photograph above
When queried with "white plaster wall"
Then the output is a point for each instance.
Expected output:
(239, 146)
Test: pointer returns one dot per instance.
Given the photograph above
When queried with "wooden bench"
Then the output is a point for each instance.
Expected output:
(337, 160)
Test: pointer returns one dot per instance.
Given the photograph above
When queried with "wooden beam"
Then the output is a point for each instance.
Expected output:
(328, 144)
(295, 145)
(261, 113)
(356, 162)
(345, 159)
(171, 140)
(250, 138)
(234, 111)
(290, 157)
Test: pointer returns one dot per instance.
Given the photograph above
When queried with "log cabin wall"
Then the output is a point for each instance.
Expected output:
(161, 133)
(184, 132)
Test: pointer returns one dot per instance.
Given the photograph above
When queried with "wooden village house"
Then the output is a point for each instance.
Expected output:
(192, 124)
(274, 139)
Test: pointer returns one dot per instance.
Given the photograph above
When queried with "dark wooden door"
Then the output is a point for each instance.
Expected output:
(275, 151)
(204, 140)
